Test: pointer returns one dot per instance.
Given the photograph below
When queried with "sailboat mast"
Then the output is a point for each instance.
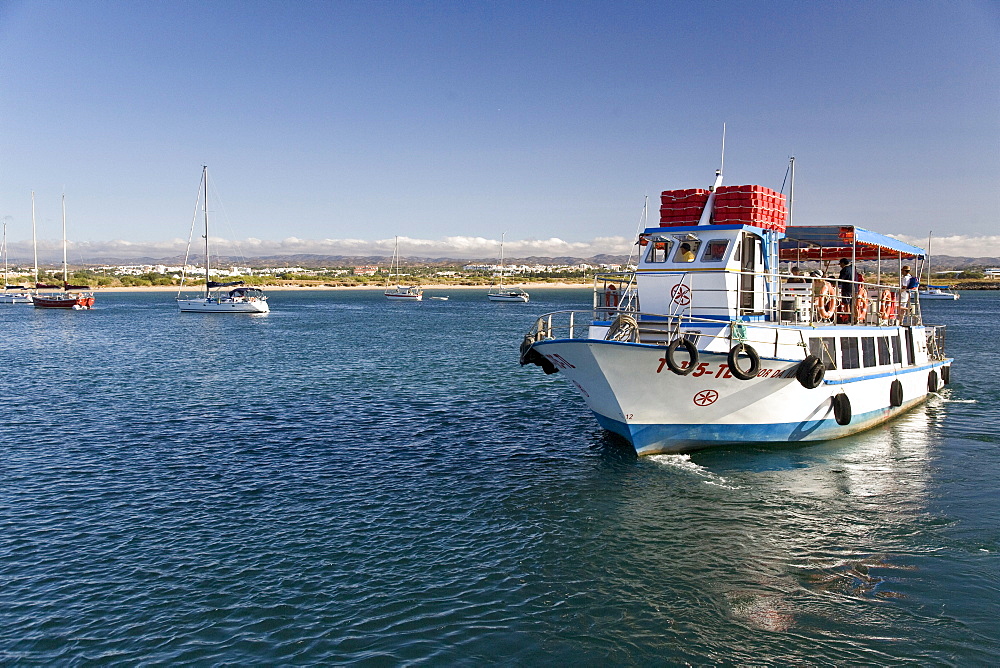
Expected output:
(34, 241)
(5, 255)
(502, 235)
(65, 271)
(204, 180)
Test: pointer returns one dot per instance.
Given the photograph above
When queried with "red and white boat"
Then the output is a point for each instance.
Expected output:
(77, 297)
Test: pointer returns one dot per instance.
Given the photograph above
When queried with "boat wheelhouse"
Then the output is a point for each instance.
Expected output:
(708, 342)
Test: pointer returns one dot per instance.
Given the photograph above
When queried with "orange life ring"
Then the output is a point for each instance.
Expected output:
(826, 301)
(611, 296)
(859, 306)
(886, 306)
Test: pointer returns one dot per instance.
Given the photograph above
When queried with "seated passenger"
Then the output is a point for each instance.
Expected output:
(686, 254)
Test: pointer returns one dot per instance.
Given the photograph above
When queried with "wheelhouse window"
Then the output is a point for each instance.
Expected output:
(897, 351)
(658, 251)
(715, 250)
(687, 250)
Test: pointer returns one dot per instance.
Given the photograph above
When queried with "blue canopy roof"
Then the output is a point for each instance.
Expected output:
(836, 241)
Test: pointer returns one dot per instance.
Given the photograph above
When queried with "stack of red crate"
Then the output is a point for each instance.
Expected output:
(682, 207)
(750, 205)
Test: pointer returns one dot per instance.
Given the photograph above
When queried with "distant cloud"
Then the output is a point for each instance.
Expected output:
(448, 247)
(957, 245)
(463, 248)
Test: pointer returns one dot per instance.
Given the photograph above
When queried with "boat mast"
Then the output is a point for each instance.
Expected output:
(204, 180)
(65, 271)
(502, 235)
(34, 242)
(706, 215)
(5, 254)
(791, 189)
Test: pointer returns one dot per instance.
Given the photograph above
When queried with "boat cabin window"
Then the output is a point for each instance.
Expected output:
(868, 350)
(897, 352)
(715, 250)
(687, 250)
(658, 251)
(884, 351)
(850, 355)
(825, 348)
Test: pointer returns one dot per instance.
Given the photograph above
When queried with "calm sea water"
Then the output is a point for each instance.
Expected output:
(347, 480)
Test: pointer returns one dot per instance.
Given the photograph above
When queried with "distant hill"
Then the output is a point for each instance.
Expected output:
(309, 261)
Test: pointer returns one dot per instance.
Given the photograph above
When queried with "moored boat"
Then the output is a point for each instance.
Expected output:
(706, 343)
(241, 299)
(400, 293)
(76, 297)
(502, 294)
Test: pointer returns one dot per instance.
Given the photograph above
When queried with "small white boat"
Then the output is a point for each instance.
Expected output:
(937, 292)
(401, 293)
(440, 299)
(502, 294)
(12, 294)
(711, 345)
(241, 299)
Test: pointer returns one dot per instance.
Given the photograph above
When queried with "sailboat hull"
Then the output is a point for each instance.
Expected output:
(212, 305)
(73, 301)
(523, 298)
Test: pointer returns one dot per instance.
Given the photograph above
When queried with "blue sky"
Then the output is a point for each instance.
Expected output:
(334, 126)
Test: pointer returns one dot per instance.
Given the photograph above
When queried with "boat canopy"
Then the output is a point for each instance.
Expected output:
(830, 242)
(213, 284)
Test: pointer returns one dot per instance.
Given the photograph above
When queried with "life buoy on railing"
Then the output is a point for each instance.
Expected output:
(826, 301)
(611, 296)
(859, 306)
(689, 348)
(733, 359)
(886, 306)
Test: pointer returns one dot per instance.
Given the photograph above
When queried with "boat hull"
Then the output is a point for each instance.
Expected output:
(403, 297)
(69, 301)
(633, 393)
(507, 298)
(210, 305)
(15, 299)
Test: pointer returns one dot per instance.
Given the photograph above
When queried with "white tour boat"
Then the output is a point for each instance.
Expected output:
(400, 293)
(710, 345)
(501, 294)
(241, 299)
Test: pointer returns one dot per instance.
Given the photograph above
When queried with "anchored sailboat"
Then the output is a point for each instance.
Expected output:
(500, 294)
(77, 297)
(241, 299)
(20, 294)
(405, 293)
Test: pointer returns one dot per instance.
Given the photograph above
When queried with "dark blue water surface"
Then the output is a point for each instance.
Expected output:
(348, 480)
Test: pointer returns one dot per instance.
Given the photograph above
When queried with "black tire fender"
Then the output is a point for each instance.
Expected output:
(932, 382)
(946, 375)
(896, 393)
(842, 409)
(689, 348)
(810, 372)
(733, 360)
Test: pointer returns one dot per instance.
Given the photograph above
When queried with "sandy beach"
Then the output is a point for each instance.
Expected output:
(279, 288)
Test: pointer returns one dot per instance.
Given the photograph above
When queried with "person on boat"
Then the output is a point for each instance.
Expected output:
(687, 255)
(907, 283)
(846, 278)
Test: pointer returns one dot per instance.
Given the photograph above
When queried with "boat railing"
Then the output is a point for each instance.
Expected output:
(658, 329)
(787, 299)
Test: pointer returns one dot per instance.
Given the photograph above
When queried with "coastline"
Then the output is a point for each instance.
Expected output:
(282, 288)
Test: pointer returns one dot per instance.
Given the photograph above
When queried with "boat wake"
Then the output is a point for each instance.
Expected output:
(684, 463)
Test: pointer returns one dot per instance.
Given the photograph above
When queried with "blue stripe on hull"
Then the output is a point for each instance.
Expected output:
(651, 439)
